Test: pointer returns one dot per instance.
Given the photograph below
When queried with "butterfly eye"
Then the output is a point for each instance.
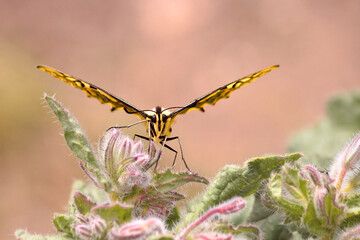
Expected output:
(153, 118)
(164, 118)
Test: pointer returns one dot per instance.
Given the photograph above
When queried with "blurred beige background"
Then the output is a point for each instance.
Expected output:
(162, 53)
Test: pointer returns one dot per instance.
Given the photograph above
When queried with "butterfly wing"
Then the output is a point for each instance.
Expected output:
(96, 92)
(220, 93)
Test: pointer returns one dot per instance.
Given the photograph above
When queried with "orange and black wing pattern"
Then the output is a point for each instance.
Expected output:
(221, 93)
(95, 92)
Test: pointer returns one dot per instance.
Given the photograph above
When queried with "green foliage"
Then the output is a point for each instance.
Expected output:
(234, 181)
(173, 218)
(353, 211)
(76, 139)
(83, 203)
(63, 222)
(250, 230)
(284, 198)
(169, 181)
(74, 135)
(114, 212)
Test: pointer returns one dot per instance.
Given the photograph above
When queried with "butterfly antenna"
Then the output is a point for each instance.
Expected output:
(170, 108)
(140, 111)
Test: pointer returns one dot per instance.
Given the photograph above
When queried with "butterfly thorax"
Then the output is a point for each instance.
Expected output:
(158, 123)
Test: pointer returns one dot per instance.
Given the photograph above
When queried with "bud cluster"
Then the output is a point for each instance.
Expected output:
(124, 161)
(320, 201)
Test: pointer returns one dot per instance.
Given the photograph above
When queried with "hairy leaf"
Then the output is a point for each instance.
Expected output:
(234, 181)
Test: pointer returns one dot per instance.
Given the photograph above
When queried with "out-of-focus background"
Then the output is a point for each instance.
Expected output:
(162, 53)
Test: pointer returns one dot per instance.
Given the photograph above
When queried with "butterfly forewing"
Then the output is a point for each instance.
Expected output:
(95, 92)
(221, 93)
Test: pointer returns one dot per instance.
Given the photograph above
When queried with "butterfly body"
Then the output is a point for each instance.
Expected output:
(158, 124)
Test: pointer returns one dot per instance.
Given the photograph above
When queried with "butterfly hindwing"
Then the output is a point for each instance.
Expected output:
(96, 92)
(220, 93)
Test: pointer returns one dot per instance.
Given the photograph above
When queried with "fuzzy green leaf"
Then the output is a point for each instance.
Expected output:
(83, 203)
(296, 185)
(168, 180)
(63, 222)
(135, 192)
(274, 229)
(225, 227)
(74, 135)
(114, 212)
(313, 223)
(234, 181)
(352, 217)
(323, 213)
(173, 218)
(333, 208)
(78, 143)
(159, 203)
(291, 208)
(258, 212)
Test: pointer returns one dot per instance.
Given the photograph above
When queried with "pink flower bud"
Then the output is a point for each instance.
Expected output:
(315, 174)
(141, 161)
(83, 231)
(134, 176)
(124, 159)
(105, 139)
(137, 148)
(319, 202)
(350, 234)
(81, 218)
(346, 165)
(123, 148)
(138, 229)
(213, 236)
(97, 225)
(231, 207)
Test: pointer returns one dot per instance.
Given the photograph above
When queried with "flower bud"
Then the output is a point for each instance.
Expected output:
(137, 148)
(350, 234)
(124, 159)
(83, 231)
(141, 161)
(231, 207)
(138, 229)
(134, 176)
(346, 165)
(97, 225)
(81, 218)
(213, 236)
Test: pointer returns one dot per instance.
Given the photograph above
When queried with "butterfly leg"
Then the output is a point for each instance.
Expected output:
(127, 125)
(162, 146)
(145, 138)
(182, 154)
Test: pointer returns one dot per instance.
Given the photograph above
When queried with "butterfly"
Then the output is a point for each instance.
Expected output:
(159, 120)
